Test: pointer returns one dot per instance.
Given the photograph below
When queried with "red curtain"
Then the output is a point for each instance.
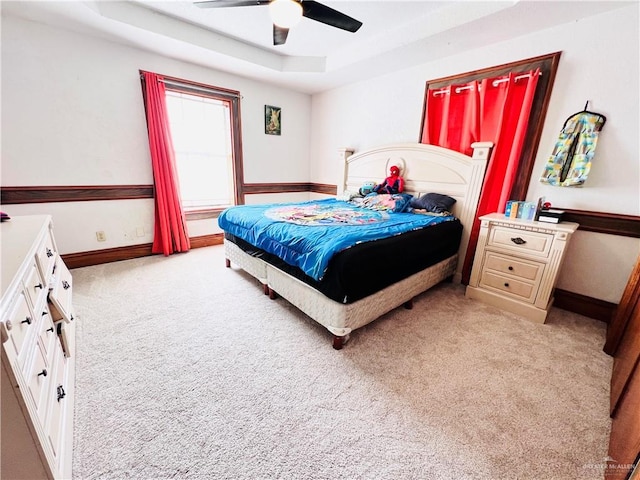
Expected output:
(170, 232)
(495, 110)
(451, 118)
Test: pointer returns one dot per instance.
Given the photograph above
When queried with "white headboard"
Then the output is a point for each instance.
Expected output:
(425, 169)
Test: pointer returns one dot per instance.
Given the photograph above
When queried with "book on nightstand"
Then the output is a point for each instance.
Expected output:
(519, 209)
(550, 215)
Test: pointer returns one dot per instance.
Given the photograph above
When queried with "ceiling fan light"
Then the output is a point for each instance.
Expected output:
(285, 13)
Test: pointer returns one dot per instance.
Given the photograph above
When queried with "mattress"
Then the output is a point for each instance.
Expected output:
(308, 234)
(368, 267)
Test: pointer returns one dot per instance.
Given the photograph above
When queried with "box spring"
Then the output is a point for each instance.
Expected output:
(369, 267)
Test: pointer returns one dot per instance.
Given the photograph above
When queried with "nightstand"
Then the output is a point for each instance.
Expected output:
(517, 263)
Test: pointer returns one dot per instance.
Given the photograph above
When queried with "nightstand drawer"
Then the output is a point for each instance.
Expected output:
(526, 242)
(523, 290)
(514, 266)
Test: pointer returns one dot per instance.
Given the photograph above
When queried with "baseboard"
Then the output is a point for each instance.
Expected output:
(207, 240)
(108, 255)
(587, 306)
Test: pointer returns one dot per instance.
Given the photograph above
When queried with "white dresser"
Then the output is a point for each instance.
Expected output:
(37, 330)
(517, 262)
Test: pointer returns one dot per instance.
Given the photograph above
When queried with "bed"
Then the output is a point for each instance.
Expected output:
(344, 286)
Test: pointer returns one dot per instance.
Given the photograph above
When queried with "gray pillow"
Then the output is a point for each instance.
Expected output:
(433, 202)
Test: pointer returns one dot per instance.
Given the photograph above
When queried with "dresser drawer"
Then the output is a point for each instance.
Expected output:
(61, 293)
(47, 332)
(514, 266)
(58, 401)
(523, 241)
(522, 290)
(46, 256)
(19, 325)
(38, 380)
(35, 286)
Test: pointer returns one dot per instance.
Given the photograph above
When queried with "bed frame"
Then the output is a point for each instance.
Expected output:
(425, 168)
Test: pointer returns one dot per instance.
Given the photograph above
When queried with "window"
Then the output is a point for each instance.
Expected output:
(201, 133)
(205, 129)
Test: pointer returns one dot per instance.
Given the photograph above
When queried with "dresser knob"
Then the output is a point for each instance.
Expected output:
(38, 286)
(506, 285)
(518, 241)
(510, 268)
(50, 329)
(49, 252)
(61, 392)
(65, 285)
(27, 321)
(43, 372)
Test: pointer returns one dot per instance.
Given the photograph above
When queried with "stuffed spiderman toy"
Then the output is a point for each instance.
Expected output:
(394, 183)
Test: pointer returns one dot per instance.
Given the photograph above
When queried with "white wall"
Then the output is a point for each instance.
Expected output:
(599, 63)
(73, 114)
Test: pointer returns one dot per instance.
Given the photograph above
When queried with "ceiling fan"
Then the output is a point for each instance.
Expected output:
(286, 14)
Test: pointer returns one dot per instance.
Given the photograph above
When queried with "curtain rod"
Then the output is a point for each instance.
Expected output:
(188, 86)
(495, 83)
(197, 88)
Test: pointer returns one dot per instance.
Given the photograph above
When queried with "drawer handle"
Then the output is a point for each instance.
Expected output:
(510, 268)
(27, 321)
(66, 285)
(43, 372)
(38, 286)
(506, 284)
(50, 329)
(49, 252)
(61, 392)
(518, 241)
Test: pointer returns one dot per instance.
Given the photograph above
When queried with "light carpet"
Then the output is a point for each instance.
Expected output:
(186, 370)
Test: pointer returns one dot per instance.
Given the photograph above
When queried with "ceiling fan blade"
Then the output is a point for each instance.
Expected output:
(279, 35)
(230, 3)
(323, 14)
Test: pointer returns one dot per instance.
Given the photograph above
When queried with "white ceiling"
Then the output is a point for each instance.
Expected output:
(316, 57)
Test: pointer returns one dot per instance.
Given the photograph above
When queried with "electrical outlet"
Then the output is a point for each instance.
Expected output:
(101, 236)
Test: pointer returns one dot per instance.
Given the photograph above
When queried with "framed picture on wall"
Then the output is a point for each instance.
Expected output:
(272, 120)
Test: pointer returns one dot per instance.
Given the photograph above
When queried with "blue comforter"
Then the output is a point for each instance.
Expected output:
(306, 235)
